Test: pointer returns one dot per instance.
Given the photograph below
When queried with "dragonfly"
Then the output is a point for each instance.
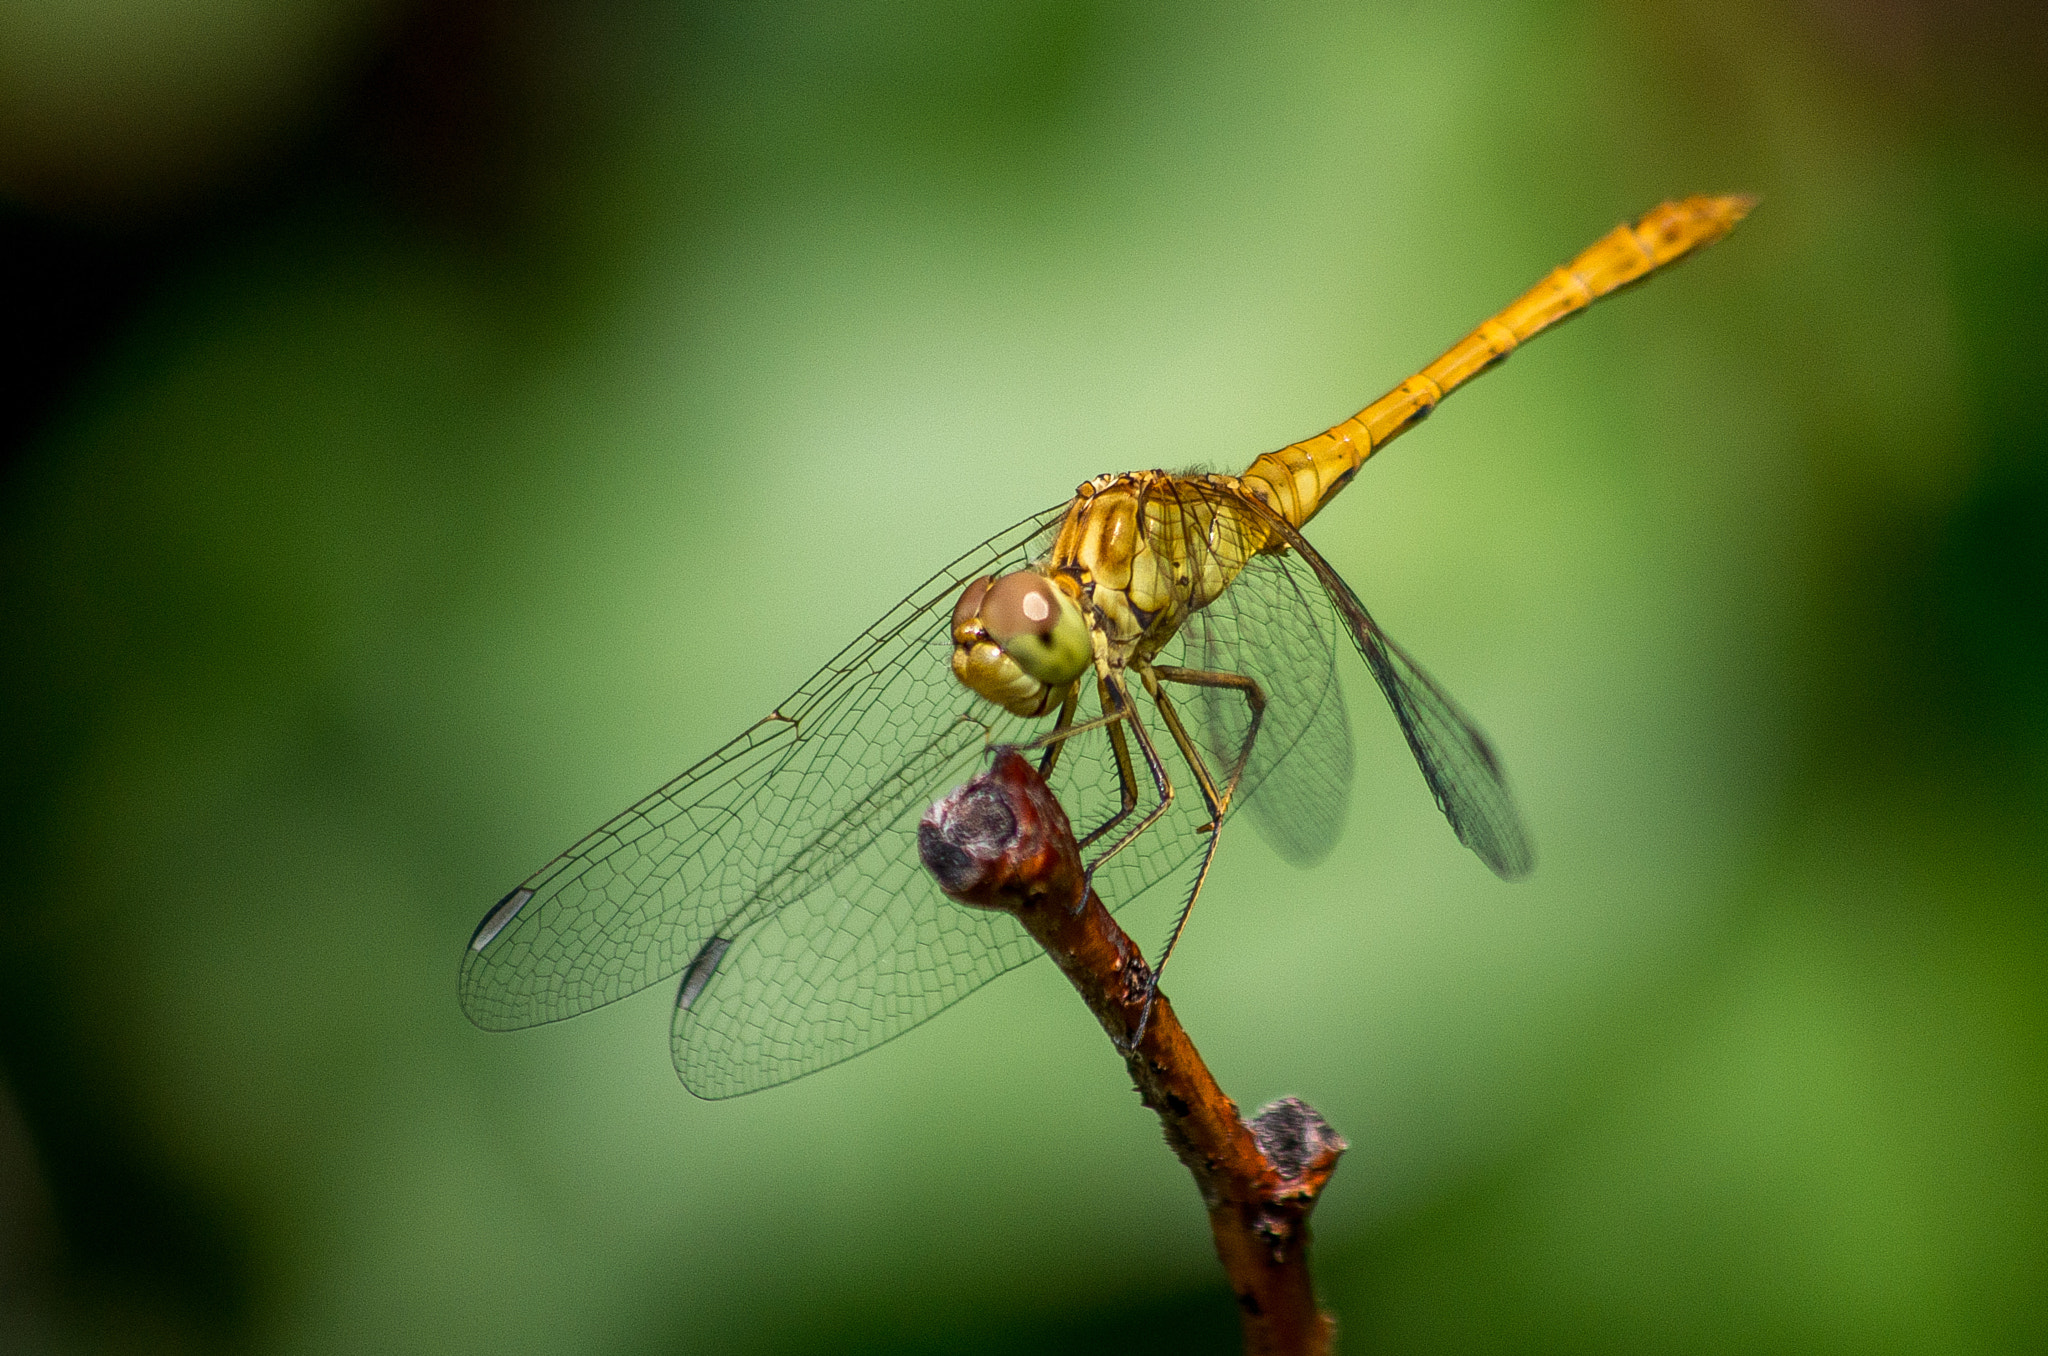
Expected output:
(1167, 642)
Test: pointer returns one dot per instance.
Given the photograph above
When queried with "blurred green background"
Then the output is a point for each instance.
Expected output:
(431, 426)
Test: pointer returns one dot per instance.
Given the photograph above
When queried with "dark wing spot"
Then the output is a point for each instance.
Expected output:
(700, 971)
(503, 912)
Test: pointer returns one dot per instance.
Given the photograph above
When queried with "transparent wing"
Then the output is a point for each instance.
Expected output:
(1275, 625)
(863, 952)
(792, 808)
(1457, 761)
(780, 877)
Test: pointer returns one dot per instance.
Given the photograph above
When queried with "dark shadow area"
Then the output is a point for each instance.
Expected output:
(454, 127)
(1196, 1323)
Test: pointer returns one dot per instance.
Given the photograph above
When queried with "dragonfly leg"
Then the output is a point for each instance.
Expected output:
(1067, 728)
(1218, 800)
(1056, 738)
(1215, 798)
(1116, 692)
(1126, 774)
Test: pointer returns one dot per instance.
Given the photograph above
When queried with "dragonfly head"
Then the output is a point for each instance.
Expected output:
(1020, 641)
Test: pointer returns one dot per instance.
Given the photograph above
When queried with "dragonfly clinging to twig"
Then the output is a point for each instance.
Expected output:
(1154, 625)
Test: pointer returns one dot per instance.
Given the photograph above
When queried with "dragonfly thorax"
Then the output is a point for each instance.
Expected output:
(1150, 548)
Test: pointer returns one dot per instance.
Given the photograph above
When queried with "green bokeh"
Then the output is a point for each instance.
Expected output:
(367, 573)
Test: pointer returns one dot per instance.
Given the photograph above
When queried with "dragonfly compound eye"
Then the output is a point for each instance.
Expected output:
(967, 612)
(1039, 626)
(1009, 634)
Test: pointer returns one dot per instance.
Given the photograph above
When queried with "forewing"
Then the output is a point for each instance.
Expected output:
(1456, 759)
(793, 812)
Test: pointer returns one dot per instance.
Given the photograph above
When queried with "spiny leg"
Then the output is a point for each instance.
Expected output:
(1065, 721)
(1062, 735)
(1114, 685)
(1217, 800)
(1115, 708)
(1203, 781)
(1061, 731)
(1116, 691)
(1255, 698)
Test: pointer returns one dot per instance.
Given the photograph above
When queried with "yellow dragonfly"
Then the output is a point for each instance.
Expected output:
(1154, 624)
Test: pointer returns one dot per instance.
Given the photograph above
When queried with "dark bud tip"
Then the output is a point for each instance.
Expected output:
(953, 869)
(962, 834)
(1295, 1138)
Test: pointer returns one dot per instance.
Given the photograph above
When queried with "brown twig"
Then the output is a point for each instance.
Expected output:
(1003, 842)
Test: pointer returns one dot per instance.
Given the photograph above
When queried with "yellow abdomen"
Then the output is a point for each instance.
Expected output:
(1299, 479)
